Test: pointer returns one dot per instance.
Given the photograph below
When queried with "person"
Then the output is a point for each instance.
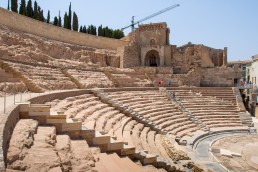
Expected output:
(159, 82)
(169, 83)
(173, 95)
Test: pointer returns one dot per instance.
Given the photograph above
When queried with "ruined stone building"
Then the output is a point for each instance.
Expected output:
(149, 47)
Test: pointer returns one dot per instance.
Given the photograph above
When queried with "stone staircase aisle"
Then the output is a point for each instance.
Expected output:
(74, 80)
(29, 83)
(113, 163)
(74, 129)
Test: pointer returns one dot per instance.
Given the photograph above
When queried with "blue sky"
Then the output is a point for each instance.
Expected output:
(215, 23)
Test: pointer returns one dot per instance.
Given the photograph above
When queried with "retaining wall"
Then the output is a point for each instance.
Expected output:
(35, 27)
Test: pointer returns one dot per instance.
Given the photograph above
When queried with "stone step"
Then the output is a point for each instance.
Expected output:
(113, 163)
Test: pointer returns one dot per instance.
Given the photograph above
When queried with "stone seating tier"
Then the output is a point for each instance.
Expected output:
(131, 79)
(105, 142)
(46, 78)
(90, 79)
(215, 112)
(151, 104)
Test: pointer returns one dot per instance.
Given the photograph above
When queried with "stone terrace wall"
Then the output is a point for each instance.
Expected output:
(29, 25)
(9, 120)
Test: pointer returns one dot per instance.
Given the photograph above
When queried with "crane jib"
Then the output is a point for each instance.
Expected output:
(150, 16)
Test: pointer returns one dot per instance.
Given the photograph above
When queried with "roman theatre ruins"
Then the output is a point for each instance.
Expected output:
(78, 102)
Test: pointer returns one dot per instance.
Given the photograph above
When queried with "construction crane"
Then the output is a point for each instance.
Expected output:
(150, 16)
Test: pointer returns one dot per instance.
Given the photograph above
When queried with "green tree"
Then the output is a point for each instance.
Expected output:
(41, 14)
(59, 20)
(55, 21)
(81, 29)
(8, 7)
(100, 31)
(107, 32)
(29, 10)
(14, 5)
(35, 11)
(70, 17)
(66, 21)
(84, 29)
(75, 22)
(22, 10)
(48, 16)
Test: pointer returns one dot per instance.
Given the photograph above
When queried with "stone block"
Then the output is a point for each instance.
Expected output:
(101, 139)
(71, 126)
(24, 106)
(149, 159)
(128, 150)
(55, 120)
(115, 145)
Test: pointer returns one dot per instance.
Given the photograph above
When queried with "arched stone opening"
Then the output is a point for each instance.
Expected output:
(152, 58)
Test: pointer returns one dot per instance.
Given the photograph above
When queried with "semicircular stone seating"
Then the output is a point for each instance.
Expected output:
(157, 108)
(45, 77)
(90, 79)
(33, 147)
(213, 107)
(105, 118)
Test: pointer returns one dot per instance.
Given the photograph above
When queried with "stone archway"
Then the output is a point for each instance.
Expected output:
(152, 58)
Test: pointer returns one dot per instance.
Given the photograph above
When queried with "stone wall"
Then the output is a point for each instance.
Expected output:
(152, 34)
(129, 56)
(29, 25)
(219, 77)
(8, 122)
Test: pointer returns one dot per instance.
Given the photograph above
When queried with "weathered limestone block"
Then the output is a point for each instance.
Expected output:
(41, 155)
(82, 158)
(63, 145)
(22, 138)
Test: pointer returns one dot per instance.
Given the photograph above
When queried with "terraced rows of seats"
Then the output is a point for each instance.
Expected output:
(9, 84)
(44, 77)
(131, 79)
(226, 94)
(91, 111)
(104, 118)
(90, 79)
(211, 111)
(144, 138)
(157, 108)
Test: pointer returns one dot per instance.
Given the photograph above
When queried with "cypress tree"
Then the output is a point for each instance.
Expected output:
(84, 30)
(35, 11)
(14, 5)
(48, 16)
(29, 10)
(100, 32)
(75, 22)
(22, 10)
(55, 21)
(81, 29)
(59, 20)
(103, 32)
(8, 7)
(41, 14)
(70, 17)
(66, 21)
(89, 29)
(106, 31)
(94, 30)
